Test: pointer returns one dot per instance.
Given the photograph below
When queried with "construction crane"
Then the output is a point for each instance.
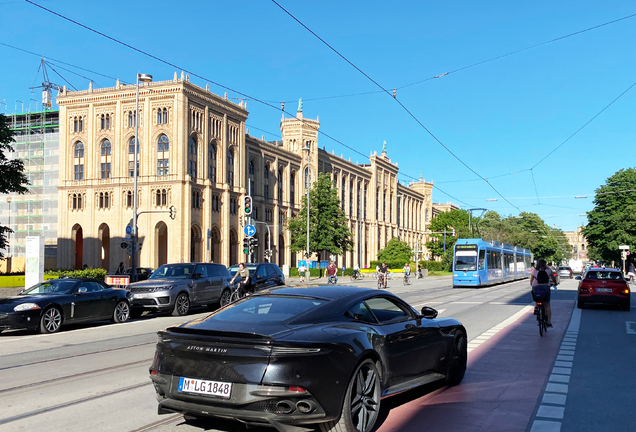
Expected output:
(47, 99)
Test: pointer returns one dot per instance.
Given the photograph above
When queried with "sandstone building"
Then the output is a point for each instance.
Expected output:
(196, 154)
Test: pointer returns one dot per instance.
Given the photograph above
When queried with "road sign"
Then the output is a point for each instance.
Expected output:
(623, 247)
(627, 253)
(249, 230)
(128, 229)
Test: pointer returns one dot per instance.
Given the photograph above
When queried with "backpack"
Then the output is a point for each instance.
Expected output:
(542, 277)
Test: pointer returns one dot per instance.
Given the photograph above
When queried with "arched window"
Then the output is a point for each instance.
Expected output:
(280, 185)
(212, 162)
(342, 192)
(132, 118)
(107, 121)
(266, 180)
(192, 158)
(75, 125)
(105, 149)
(131, 145)
(102, 123)
(230, 167)
(78, 161)
(76, 201)
(81, 124)
(292, 188)
(163, 156)
(159, 118)
(130, 199)
(161, 198)
(165, 116)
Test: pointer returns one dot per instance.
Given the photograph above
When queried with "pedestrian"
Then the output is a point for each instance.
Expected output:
(419, 271)
(301, 272)
(120, 270)
(332, 273)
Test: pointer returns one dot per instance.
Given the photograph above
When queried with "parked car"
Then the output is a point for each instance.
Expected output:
(302, 356)
(143, 273)
(604, 286)
(556, 277)
(565, 271)
(49, 305)
(177, 287)
(262, 276)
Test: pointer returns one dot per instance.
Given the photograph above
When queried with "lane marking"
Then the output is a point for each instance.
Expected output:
(485, 336)
(630, 329)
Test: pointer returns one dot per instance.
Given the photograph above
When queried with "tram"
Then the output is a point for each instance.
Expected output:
(477, 263)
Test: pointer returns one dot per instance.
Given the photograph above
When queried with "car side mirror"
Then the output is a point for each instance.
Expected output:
(428, 312)
(197, 276)
(578, 278)
(82, 290)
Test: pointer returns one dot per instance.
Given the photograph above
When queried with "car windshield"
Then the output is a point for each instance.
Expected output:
(604, 275)
(266, 309)
(173, 271)
(56, 286)
(466, 260)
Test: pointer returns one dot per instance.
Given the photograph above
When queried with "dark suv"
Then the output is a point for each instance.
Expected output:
(262, 276)
(177, 287)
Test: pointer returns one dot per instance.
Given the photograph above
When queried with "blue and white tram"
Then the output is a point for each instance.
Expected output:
(478, 263)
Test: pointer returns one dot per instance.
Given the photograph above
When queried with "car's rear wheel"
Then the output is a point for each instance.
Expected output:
(181, 305)
(226, 297)
(458, 360)
(580, 304)
(121, 313)
(51, 320)
(362, 402)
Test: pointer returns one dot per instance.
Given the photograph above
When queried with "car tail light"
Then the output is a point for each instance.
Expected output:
(625, 291)
(584, 290)
(297, 389)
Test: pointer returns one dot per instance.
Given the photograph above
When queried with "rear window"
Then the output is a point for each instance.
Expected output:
(266, 309)
(603, 275)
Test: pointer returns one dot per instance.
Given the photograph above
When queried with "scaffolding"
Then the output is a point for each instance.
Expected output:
(36, 136)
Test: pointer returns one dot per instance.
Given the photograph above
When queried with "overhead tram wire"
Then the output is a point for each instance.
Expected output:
(65, 80)
(499, 57)
(58, 61)
(396, 100)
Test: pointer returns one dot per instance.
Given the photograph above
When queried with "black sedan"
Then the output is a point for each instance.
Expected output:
(262, 276)
(50, 304)
(288, 357)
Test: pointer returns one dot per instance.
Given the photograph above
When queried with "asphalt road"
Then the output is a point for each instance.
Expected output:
(96, 376)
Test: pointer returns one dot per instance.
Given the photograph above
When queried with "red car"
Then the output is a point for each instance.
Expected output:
(604, 286)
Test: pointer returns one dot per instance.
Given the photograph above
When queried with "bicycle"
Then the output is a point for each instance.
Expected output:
(406, 280)
(331, 280)
(357, 276)
(542, 319)
(382, 282)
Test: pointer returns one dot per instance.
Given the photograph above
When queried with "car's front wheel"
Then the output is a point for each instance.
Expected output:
(458, 359)
(362, 402)
(51, 320)
(121, 313)
(225, 299)
(181, 305)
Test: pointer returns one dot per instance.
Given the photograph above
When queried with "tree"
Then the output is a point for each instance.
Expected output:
(453, 220)
(396, 250)
(12, 177)
(612, 221)
(328, 230)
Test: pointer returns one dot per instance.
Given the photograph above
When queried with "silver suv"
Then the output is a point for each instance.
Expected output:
(177, 287)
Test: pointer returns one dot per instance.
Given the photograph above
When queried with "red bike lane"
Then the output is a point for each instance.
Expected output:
(504, 380)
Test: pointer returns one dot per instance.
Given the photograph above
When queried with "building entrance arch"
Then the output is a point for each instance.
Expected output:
(161, 244)
(77, 236)
(104, 246)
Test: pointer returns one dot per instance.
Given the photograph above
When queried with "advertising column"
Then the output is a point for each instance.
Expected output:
(34, 271)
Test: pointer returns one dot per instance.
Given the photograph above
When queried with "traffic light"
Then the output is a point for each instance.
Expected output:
(254, 242)
(173, 212)
(247, 205)
(246, 245)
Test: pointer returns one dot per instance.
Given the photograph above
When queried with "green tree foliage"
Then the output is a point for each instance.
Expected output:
(453, 220)
(612, 221)
(396, 250)
(328, 229)
(12, 177)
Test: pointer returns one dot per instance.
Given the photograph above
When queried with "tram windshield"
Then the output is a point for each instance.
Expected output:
(466, 260)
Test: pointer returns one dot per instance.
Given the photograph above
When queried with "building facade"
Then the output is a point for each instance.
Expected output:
(35, 213)
(195, 153)
(578, 243)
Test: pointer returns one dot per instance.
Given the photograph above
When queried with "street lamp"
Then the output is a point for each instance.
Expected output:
(133, 270)
(307, 184)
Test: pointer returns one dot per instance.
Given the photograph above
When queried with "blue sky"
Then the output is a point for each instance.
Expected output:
(500, 117)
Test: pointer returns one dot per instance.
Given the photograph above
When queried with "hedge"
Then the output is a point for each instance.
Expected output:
(392, 265)
(94, 273)
(432, 265)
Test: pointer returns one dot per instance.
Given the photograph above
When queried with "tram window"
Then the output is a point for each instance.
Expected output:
(466, 260)
(482, 260)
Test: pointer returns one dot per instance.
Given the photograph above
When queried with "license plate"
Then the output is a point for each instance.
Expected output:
(210, 388)
(140, 296)
(603, 290)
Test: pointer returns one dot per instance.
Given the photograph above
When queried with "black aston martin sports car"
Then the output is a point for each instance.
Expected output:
(293, 356)
(50, 304)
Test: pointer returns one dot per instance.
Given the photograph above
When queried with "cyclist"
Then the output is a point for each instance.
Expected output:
(540, 280)
(356, 271)
(243, 275)
(631, 272)
(382, 273)
(332, 272)
(407, 272)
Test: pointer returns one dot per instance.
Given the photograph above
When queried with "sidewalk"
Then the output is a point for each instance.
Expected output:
(505, 378)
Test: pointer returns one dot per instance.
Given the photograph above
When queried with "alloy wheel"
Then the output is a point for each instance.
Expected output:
(122, 312)
(365, 398)
(52, 320)
(183, 304)
(225, 298)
